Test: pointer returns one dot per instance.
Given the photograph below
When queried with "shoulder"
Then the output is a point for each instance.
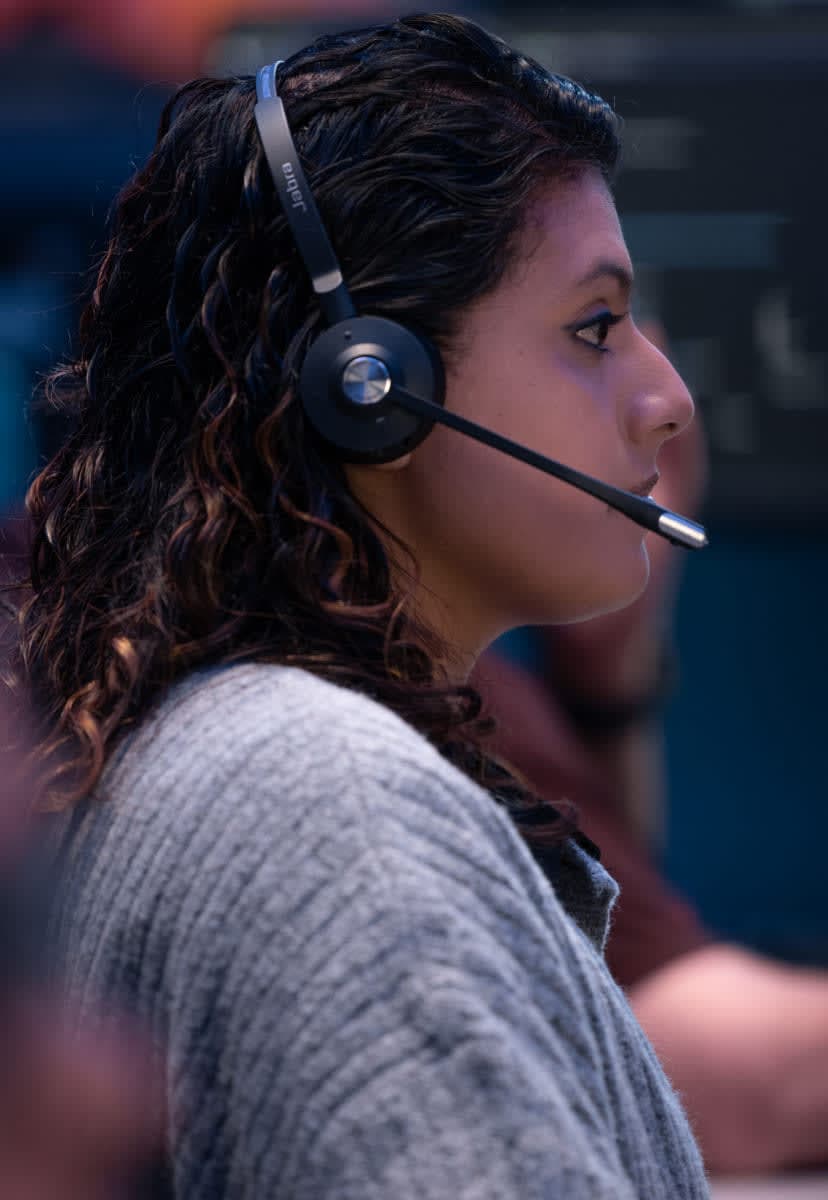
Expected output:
(257, 719)
(257, 703)
(254, 781)
(256, 761)
(261, 748)
(290, 813)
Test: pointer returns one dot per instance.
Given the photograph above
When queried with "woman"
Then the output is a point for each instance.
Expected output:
(372, 956)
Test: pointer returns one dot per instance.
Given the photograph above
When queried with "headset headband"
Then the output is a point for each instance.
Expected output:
(297, 200)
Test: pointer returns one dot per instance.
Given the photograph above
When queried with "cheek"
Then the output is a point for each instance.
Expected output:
(561, 410)
(579, 420)
(533, 547)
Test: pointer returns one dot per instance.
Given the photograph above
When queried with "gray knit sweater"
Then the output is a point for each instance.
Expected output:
(365, 986)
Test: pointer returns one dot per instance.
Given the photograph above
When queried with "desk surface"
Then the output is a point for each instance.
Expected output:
(779, 1187)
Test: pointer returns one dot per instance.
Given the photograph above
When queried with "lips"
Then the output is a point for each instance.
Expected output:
(646, 486)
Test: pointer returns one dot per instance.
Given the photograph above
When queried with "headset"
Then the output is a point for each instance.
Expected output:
(374, 389)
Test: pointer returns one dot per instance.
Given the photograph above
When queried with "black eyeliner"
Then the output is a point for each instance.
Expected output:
(605, 317)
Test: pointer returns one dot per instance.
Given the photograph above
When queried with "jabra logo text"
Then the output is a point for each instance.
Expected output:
(293, 187)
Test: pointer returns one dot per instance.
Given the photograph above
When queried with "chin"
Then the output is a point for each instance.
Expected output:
(629, 584)
(619, 587)
(610, 577)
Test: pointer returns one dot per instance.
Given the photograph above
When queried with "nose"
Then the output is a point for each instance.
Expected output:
(661, 405)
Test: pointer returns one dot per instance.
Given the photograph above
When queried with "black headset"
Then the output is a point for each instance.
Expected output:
(372, 388)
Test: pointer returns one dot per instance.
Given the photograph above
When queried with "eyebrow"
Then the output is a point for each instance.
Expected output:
(608, 268)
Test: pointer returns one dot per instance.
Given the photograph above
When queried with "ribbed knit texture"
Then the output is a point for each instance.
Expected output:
(364, 984)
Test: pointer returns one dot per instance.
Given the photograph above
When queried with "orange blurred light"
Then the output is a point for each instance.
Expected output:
(164, 39)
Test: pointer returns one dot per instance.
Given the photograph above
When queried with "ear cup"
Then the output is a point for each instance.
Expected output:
(379, 430)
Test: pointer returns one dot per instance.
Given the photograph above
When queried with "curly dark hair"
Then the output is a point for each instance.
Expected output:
(192, 516)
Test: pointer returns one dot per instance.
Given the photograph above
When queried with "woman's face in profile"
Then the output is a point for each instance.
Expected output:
(552, 359)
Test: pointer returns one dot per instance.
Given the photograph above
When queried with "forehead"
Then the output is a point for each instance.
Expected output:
(573, 227)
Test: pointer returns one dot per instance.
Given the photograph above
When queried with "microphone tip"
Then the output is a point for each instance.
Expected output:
(682, 532)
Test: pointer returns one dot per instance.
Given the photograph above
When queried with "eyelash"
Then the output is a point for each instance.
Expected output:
(603, 320)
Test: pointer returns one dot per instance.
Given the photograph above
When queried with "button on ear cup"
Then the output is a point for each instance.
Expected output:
(377, 430)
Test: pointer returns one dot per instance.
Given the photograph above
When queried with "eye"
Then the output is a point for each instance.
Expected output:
(595, 331)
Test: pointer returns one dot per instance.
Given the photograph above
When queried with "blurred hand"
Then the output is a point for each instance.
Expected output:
(79, 1111)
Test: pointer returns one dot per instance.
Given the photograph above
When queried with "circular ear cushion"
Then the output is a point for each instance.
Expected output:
(382, 431)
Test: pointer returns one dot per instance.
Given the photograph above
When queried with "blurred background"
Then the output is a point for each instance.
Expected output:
(723, 202)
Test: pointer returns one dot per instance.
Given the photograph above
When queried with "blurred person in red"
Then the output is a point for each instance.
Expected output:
(743, 1038)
